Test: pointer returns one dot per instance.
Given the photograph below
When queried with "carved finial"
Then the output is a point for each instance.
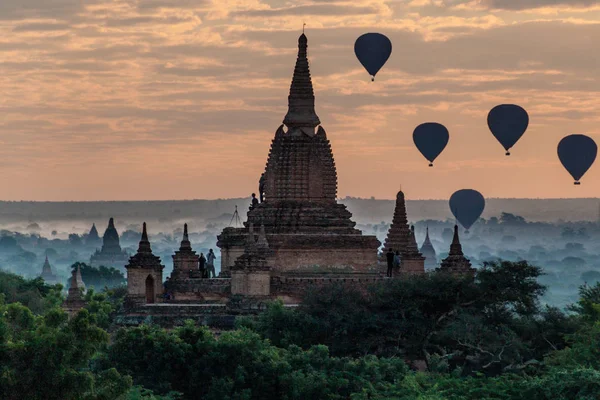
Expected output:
(144, 246)
(303, 25)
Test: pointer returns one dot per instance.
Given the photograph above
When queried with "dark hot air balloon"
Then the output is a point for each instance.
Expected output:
(373, 50)
(508, 122)
(577, 153)
(431, 138)
(467, 206)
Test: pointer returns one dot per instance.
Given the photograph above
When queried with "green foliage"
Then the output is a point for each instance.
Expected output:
(241, 365)
(101, 277)
(33, 293)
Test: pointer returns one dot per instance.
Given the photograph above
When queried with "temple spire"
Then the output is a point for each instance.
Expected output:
(398, 236)
(144, 246)
(185, 243)
(455, 246)
(301, 101)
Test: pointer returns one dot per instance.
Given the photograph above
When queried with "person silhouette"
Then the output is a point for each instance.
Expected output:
(254, 201)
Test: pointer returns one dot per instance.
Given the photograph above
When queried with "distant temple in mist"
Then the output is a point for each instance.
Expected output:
(111, 254)
(428, 252)
(47, 273)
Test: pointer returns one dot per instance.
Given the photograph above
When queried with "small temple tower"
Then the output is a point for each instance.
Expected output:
(47, 273)
(93, 239)
(111, 254)
(429, 252)
(412, 262)
(304, 224)
(80, 283)
(456, 263)
(144, 275)
(251, 273)
(399, 234)
(74, 301)
(185, 260)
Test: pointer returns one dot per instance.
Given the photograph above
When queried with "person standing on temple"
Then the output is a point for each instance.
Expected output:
(254, 201)
(202, 264)
(210, 264)
(261, 187)
(390, 262)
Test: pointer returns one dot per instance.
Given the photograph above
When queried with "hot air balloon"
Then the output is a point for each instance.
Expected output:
(373, 50)
(467, 206)
(431, 138)
(577, 153)
(508, 122)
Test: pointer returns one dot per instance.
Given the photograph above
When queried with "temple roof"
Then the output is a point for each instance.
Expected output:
(110, 240)
(301, 101)
(455, 246)
(144, 257)
(427, 246)
(94, 232)
(456, 262)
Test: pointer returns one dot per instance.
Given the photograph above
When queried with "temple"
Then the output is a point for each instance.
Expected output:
(144, 275)
(111, 254)
(429, 252)
(456, 263)
(93, 239)
(47, 273)
(304, 225)
(74, 301)
(401, 238)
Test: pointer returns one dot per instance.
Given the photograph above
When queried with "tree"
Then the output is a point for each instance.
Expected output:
(100, 277)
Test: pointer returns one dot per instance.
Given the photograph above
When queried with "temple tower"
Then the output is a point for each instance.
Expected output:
(111, 254)
(456, 263)
(399, 234)
(429, 252)
(412, 262)
(74, 301)
(185, 260)
(304, 225)
(92, 239)
(144, 275)
(47, 273)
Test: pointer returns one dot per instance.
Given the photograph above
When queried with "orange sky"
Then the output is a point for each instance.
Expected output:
(179, 99)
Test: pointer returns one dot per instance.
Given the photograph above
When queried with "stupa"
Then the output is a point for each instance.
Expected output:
(456, 263)
(111, 254)
(411, 261)
(93, 239)
(429, 252)
(74, 301)
(185, 260)
(47, 273)
(399, 234)
(144, 275)
(304, 225)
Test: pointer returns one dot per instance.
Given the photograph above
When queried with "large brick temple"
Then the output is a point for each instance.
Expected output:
(306, 228)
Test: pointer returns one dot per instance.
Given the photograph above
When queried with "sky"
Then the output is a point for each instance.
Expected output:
(180, 99)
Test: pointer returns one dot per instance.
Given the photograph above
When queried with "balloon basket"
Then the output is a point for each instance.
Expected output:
(576, 183)
(372, 79)
(466, 232)
(431, 164)
(507, 153)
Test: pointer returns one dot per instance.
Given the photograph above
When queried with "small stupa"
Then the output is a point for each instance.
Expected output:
(47, 273)
(144, 275)
(429, 252)
(456, 263)
(93, 239)
(74, 301)
(185, 260)
(111, 254)
(399, 235)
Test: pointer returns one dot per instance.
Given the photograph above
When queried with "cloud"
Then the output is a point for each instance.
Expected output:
(315, 9)
(529, 4)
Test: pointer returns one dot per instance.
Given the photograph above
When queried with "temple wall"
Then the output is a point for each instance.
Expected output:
(228, 257)
(216, 290)
(412, 267)
(136, 284)
(251, 283)
(347, 260)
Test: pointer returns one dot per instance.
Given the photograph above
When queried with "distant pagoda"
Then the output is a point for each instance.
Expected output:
(305, 226)
(111, 254)
(429, 252)
(93, 239)
(47, 273)
(456, 263)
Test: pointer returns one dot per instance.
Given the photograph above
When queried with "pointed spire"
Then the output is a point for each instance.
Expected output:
(398, 236)
(111, 223)
(144, 246)
(80, 283)
(250, 244)
(412, 247)
(185, 243)
(427, 241)
(301, 101)
(455, 246)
